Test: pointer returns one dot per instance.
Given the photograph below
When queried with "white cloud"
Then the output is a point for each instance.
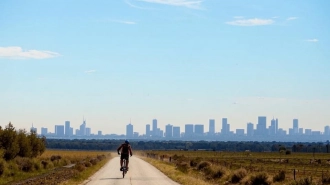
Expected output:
(124, 22)
(196, 4)
(291, 18)
(134, 6)
(90, 71)
(15, 52)
(251, 22)
(275, 17)
(312, 40)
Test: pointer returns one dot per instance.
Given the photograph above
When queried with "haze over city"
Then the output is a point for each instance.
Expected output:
(177, 61)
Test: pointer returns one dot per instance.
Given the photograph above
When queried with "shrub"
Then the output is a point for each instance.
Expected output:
(183, 167)
(94, 161)
(326, 178)
(2, 166)
(238, 175)
(194, 162)
(44, 164)
(55, 157)
(260, 178)
(36, 164)
(215, 172)
(101, 157)
(202, 165)
(80, 167)
(87, 164)
(279, 177)
(288, 152)
(304, 181)
(24, 164)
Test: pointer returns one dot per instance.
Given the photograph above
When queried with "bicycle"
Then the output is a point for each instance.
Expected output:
(124, 168)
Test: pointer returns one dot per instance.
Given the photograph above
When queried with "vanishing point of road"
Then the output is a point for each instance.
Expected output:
(140, 173)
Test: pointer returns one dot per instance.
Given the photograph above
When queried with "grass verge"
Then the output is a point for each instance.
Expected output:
(88, 172)
(176, 175)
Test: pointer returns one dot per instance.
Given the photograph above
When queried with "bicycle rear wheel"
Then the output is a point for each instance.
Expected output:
(124, 167)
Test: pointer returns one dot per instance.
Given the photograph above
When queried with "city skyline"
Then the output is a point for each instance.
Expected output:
(180, 61)
(262, 126)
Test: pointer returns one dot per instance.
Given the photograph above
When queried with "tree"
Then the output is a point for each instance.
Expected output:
(25, 149)
(9, 142)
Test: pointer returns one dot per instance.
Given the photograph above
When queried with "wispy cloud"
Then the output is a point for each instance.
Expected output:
(291, 18)
(135, 6)
(312, 40)
(15, 52)
(251, 22)
(195, 4)
(90, 71)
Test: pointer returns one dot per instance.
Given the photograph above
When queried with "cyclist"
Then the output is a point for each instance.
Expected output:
(125, 151)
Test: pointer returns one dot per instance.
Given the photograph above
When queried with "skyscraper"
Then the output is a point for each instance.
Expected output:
(211, 127)
(59, 130)
(88, 131)
(295, 126)
(326, 130)
(189, 130)
(168, 131)
(272, 128)
(176, 132)
(44, 131)
(154, 127)
(199, 130)
(67, 128)
(82, 130)
(148, 130)
(262, 126)
(250, 129)
(225, 127)
(129, 131)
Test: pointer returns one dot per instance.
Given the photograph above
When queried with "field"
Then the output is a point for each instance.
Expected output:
(224, 167)
(49, 167)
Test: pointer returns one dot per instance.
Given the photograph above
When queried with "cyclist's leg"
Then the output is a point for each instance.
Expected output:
(121, 161)
(127, 161)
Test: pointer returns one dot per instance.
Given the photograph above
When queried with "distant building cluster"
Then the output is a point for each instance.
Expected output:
(258, 132)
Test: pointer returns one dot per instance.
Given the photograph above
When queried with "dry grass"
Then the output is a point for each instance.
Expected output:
(24, 168)
(176, 175)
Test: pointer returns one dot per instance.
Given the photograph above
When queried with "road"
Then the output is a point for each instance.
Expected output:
(140, 173)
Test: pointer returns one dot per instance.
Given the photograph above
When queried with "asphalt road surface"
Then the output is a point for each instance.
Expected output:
(140, 173)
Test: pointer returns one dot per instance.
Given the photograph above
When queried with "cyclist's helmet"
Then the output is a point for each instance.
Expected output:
(126, 141)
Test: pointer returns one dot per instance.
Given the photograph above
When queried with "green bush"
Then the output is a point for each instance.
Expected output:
(88, 164)
(238, 175)
(94, 161)
(2, 166)
(279, 177)
(80, 167)
(214, 172)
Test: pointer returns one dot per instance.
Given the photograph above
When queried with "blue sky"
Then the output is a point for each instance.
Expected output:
(179, 61)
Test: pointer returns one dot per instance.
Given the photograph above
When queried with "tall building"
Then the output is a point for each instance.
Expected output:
(67, 128)
(199, 130)
(154, 127)
(168, 131)
(82, 130)
(225, 127)
(326, 130)
(44, 131)
(272, 128)
(148, 130)
(176, 132)
(262, 126)
(276, 125)
(99, 133)
(295, 126)
(129, 131)
(189, 130)
(33, 129)
(250, 129)
(211, 127)
(88, 131)
(59, 130)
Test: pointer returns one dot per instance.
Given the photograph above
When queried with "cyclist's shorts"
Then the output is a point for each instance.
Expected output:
(124, 156)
